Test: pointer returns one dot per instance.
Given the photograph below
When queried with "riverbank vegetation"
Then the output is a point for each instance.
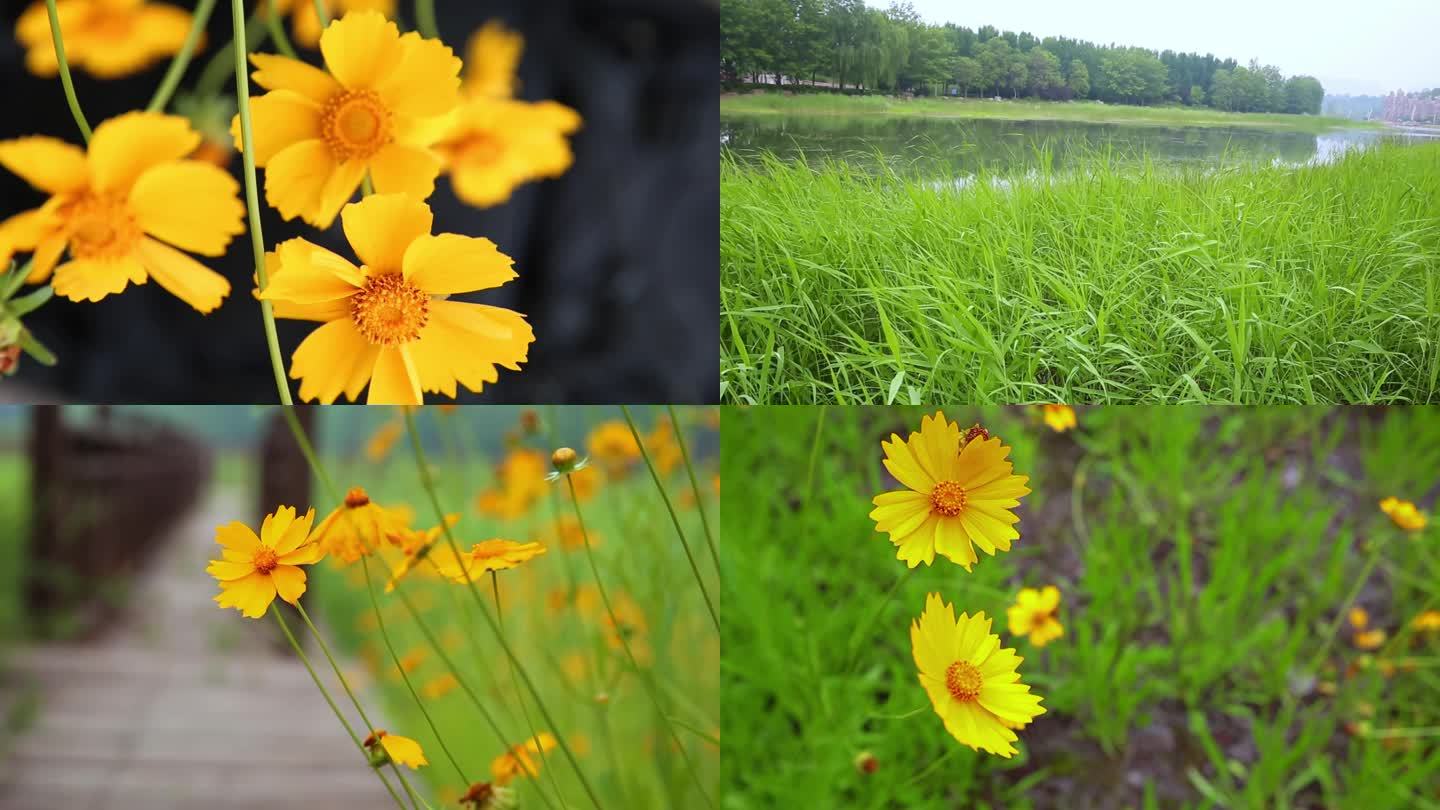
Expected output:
(1111, 283)
(850, 44)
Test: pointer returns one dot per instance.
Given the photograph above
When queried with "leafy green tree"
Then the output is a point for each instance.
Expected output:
(1120, 77)
(1304, 95)
(1079, 80)
(994, 56)
(1043, 69)
(966, 73)
(1197, 95)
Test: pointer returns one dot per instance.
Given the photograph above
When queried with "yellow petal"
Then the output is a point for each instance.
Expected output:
(47, 253)
(23, 232)
(93, 279)
(274, 72)
(332, 360)
(277, 120)
(289, 582)
(185, 278)
(450, 263)
(401, 168)
(338, 191)
(465, 342)
(190, 204)
(295, 178)
(426, 82)
(361, 49)
(236, 536)
(394, 380)
(229, 569)
(161, 27)
(123, 147)
(491, 57)
(403, 751)
(48, 164)
(308, 274)
(382, 226)
(251, 596)
(296, 533)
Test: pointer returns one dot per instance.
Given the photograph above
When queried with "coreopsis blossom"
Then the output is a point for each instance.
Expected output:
(1404, 514)
(571, 537)
(956, 497)
(973, 684)
(383, 440)
(440, 686)
(305, 23)
(1033, 614)
(490, 555)
(388, 323)
(385, 748)
(521, 760)
(612, 445)
(1060, 418)
(127, 208)
(627, 625)
(519, 481)
(663, 446)
(1428, 621)
(375, 109)
(105, 38)
(486, 796)
(253, 570)
(358, 527)
(1365, 637)
(416, 546)
(493, 146)
(492, 57)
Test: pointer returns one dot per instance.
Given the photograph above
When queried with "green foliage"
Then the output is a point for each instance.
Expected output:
(1113, 283)
(14, 534)
(1204, 556)
(1079, 79)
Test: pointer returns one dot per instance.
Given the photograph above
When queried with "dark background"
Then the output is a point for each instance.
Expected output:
(617, 259)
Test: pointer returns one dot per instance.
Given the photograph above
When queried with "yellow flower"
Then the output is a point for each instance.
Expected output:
(411, 661)
(520, 479)
(440, 687)
(1369, 639)
(253, 570)
(612, 444)
(1404, 514)
(383, 440)
(123, 208)
(1033, 614)
(1359, 618)
(568, 534)
(956, 498)
(1060, 418)
(1427, 621)
(491, 58)
(376, 110)
(358, 526)
(972, 683)
(663, 447)
(388, 323)
(493, 146)
(519, 761)
(628, 625)
(306, 23)
(385, 747)
(416, 546)
(491, 555)
(106, 38)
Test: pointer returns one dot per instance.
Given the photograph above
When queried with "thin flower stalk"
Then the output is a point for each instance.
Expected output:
(65, 80)
(176, 71)
(425, 19)
(519, 696)
(694, 487)
(277, 30)
(674, 518)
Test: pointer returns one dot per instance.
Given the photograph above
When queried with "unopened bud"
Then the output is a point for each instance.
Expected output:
(564, 460)
(866, 763)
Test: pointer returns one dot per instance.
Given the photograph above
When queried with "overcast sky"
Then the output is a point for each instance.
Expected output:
(1352, 46)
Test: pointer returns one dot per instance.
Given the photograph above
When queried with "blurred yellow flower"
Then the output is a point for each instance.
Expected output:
(613, 445)
(127, 208)
(416, 546)
(383, 440)
(1359, 618)
(1369, 639)
(662, 446)
(253, 570)
(568, 534)
(1033, 614)
(440, 687)
(106, 38)
(972, 683)
(955, 498)
(376, 108)
(411, 660)
(358, 527)
(493, 146)
(385, 747)
(519, 761)
(491, 59)
(485, 796)
(1427, 621)
(388, 323)
(1060, 418)
(306, 23)
(519, 481)
(490, 555)
(628, 625)
(1404, 514)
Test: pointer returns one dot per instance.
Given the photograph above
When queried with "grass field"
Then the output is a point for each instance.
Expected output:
(1088, 111)
(1111, 283)
(1207, 560)
(552, 619)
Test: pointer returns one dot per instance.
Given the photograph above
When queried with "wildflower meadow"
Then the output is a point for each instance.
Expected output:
(1047, 607)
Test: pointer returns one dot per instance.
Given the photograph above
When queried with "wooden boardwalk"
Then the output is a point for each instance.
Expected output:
(182, 705)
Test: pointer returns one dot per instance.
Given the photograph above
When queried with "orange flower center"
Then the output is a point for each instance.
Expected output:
(356, 498)
(265, 560)
(355, 124)
(947, 498)
(102, 227)
(963, 680)
(389, 310)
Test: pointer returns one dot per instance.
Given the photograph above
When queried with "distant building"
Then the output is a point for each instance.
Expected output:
(1422, 107)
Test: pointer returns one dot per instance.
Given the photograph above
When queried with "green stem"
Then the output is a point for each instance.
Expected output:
(344, 684)
(674, 518)
(304, 659)
(814, 453)
(428, 484)
(1334, 630)
(640, 674)
(425, 19)
(252, 196)
(322, 14)
(16, 280)
(694, 486)
(213, 76)
(65, 79)
(203, 8)
(277, 30)
(520, 697)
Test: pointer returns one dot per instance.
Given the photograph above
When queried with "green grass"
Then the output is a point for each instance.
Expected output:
(14, 534)
(1113, 282)
(1088, 111)
(1204, 556)
(598, 703)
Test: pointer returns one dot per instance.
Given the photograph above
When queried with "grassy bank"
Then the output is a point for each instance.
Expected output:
(1086, 111)
(1248, 284)
(1206, 560)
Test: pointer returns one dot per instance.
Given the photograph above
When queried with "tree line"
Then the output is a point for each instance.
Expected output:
(859, 48)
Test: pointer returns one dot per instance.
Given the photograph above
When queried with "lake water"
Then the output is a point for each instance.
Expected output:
(951, 147)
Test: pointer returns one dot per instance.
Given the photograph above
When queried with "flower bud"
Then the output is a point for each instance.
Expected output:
(564, 460)
(866, 763)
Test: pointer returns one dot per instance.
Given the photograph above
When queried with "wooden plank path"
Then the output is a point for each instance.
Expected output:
(181, 705)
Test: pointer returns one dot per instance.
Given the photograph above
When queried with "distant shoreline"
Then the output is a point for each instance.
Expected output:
(770, 103)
